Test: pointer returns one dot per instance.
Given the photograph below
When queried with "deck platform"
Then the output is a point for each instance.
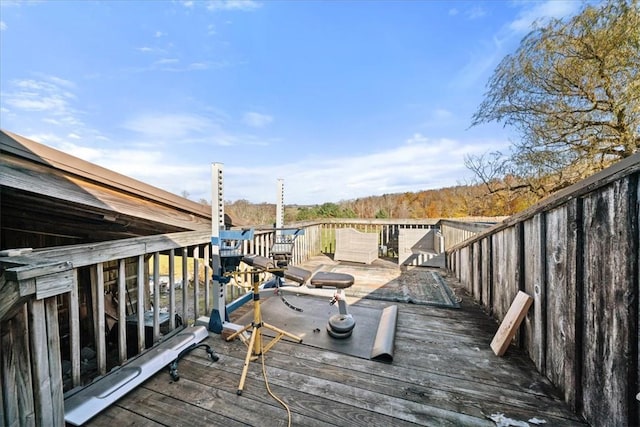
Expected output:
(444, 373)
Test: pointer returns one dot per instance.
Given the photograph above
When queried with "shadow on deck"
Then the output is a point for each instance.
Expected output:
(443, 373)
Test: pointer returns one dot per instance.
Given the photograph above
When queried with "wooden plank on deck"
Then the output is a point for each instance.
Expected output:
(511, 323)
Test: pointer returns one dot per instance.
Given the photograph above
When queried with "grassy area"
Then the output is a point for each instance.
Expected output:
(164, 267)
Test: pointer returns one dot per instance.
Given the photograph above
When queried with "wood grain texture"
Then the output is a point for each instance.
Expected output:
(535, 285)
(53, 359)
(487, 273)
(443, 374)
(476, 271)
(511, 323)
(40, 362)
(610, 311)
(505, 259)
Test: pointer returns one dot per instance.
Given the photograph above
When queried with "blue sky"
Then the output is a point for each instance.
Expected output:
(341, 99)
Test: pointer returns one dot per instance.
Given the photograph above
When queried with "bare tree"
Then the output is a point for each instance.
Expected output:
(572, 90)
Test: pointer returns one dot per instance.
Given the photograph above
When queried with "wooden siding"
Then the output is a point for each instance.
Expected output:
(577, 254)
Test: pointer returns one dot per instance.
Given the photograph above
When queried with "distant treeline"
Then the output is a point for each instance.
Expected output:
(450, 202)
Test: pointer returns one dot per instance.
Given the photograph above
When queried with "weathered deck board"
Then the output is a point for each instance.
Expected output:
(443, 373)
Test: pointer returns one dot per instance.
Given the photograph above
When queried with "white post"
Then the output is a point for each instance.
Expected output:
(280, 204)
(217, 224)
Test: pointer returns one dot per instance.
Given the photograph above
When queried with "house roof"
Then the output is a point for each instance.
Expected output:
(55, 197)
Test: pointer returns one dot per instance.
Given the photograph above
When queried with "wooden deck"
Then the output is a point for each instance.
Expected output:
(443, 373)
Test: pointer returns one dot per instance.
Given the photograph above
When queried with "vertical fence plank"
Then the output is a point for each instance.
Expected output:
(3, 419)
(505, 269)
(636, 385)
(535, 286)
(40, 362)
(610, 306)
(172, 289)
(122, 311)
(55, 365)
(3, 379)
(207, 281)
(476, 270)
(140, 304)
(562, 250)
(196, 282)
(466, 257)
(74, 329)
(17, 390)
(97, 295)
(156, 296)
(575, 279)
(185, 285)
(487, 273)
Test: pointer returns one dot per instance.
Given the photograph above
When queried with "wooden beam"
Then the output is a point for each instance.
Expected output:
(40, 362)
(511, 323)
(16, 384)
(34, 266)
(74, 327)
(55, 365)
(11, 298)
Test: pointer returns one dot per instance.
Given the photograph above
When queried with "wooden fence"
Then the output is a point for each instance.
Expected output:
(55, 325)
(69, 314)
(577, 254)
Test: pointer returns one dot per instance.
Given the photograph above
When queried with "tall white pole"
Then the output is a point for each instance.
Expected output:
(280, 204)
(217, 224)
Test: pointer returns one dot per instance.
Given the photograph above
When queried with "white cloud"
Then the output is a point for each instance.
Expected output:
(487, 55)
(419, 164)
(159, 34)
(3, 26)
(241, 5)
(541, 12)
(151, 50)
(166, 127)
(198, 66)
(165, 61)
(256, 120)
(49, 95)
(476, 13)
(61, 82)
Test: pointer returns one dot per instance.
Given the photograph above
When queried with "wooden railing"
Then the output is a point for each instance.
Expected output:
(576, 254)
(56, 324)
(69, 314)
(387, 229)
(455, 232)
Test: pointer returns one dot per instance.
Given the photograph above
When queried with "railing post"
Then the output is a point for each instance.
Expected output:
(207, 281)
(172, 289)
(97, 294)
(196, 282)
(74, 329)
(140, 304)
(156, 296)
(122, 313)
(185, 284)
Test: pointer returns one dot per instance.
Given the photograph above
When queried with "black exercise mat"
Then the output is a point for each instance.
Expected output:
(370, 339)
